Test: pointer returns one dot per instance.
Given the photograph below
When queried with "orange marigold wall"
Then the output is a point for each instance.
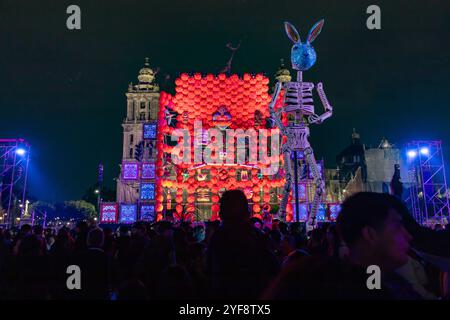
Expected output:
(197, 98)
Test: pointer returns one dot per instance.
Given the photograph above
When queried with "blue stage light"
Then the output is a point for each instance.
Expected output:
(20, 151)
(411, 154)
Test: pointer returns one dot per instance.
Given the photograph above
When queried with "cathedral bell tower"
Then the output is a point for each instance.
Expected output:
(136, 184)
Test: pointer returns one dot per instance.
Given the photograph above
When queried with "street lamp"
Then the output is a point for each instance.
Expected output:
(97, 192)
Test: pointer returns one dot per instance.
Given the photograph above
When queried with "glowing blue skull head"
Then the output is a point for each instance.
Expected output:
(303, 55)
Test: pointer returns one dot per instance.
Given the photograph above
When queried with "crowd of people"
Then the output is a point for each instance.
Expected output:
(238, 257)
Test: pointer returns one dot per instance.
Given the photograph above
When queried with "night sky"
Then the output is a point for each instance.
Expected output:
(64, 90)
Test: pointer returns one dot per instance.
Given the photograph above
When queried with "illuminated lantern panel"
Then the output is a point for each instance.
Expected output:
(319, 167)
(147, 191)
(148, 171)
(335, 208)
(108, 213)
(130, 170)
(321, 213)
(303, 212)
(302, 191)
(128, 213)
(150, 130)
(148, 213)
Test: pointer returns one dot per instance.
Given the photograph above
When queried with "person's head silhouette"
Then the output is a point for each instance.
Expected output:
(234, 206)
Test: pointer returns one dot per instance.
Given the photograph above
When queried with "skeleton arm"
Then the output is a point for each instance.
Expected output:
(276, 115)
(328, 108)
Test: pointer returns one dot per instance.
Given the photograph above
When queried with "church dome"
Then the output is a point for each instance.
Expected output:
(283, 74)
(146, 74)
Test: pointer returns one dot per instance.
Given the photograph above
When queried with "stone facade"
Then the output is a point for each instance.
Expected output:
(142, 110)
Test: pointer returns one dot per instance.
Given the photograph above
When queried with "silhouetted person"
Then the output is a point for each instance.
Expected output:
(175, 283)
(31, 270)
(157, 257)
(238, 261)
(60, 257)
(132, 289)
(196, 269)
(95, 268)
(372, 228)
(24, 231)
(5, 261)
(139, 241)
(81, 231)
(425, 239)
(123, 264)
(109, 245)
(181, 247)
(199, 233)
(211, 228)
(396, 184)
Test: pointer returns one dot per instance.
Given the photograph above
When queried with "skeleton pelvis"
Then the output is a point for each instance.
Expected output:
(304, 109)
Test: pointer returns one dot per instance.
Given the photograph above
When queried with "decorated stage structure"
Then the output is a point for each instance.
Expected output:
(182, 151)
(219, 132)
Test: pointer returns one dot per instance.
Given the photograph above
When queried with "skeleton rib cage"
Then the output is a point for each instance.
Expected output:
(298, 96)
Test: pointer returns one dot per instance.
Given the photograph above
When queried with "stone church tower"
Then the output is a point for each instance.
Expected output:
(137, 173)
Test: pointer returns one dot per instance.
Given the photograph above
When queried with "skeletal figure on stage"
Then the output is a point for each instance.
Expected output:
(299, 109)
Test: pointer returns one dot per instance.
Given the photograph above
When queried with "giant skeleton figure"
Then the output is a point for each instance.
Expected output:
(299, 108)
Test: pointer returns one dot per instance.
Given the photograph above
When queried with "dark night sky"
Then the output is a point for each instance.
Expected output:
(64, 90)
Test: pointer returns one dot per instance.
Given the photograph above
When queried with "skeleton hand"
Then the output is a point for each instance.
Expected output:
(314, 118)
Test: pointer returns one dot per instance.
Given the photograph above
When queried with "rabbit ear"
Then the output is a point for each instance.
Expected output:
(315, 30)
(291, 32)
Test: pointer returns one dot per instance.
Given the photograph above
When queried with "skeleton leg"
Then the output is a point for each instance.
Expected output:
(320, 187)
(287, 184)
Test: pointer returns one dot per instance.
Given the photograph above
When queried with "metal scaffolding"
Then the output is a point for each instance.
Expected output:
(14, 160)
(428, 196)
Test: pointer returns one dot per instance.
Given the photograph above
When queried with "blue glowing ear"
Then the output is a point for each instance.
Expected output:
(315, 30)
(292, 32)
